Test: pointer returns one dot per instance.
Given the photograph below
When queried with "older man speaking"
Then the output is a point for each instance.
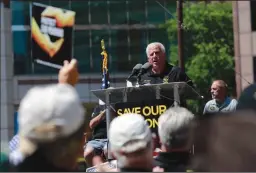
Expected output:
(160, 71)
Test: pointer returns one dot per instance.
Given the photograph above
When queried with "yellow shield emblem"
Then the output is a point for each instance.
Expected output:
(165, 79)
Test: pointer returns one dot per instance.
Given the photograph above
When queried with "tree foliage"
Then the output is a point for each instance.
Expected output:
(208, 44)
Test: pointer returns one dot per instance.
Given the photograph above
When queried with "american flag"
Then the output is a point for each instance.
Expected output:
(105, 80)
(105, 73)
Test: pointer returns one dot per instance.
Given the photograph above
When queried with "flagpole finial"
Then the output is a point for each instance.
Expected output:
(102, 45)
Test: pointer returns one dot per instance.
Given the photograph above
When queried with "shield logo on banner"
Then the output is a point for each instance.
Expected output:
(51, 34)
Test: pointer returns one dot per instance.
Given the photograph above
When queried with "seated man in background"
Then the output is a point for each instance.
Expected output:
(174, 129)
(220, 101)
(99, 136)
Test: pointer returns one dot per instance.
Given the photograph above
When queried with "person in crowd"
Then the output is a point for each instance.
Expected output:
(161, 71)
(4, 164)
(247, 99)
(175, 132)
(99, 136)
(14, 143)
(220, 102)
(131, 143)
(50, 134)
(226, 143)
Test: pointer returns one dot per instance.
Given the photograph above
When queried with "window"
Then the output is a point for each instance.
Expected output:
(99, 12)
(21, 9)
(44, 70)
(97, 36)
(82, 10)
(254, 68)
(123, 55)
(137, 12)
(137, 45)
(253, 15)
(117, 11)
(159, 35)
(171, 6)
(65, 4)
(82, 50)
(20, 12)
(156, 13)
(22, 56)
(120, 50)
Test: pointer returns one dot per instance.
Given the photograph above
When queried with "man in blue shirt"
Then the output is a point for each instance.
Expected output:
(220, 101)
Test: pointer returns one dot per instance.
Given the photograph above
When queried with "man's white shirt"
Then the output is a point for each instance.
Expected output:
(229, 105)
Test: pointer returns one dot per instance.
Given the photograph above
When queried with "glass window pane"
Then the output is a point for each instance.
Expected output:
(120, 51)
(138, 56)
(156, 14)
(96, 59)
(159, 35)
(82, 50)
(253, 14)
(21, 49)
(45, 70)
(65, 4)
(97, 36)
(82, 9)
(99, 11)
(46, 2)
(254, 68)
(137, 12)
(20, 12)
(171, 6)
(22, 56)
(117, 12)
(137, 45)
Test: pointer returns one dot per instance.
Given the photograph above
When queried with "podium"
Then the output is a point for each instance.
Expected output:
(175, 91)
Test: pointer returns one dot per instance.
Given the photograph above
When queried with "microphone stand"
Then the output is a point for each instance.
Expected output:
(138, 82)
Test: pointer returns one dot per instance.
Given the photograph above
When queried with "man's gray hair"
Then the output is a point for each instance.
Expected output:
(173, 123)
(160, 45)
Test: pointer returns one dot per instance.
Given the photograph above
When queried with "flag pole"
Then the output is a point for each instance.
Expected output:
(180, 34)
(105, 85)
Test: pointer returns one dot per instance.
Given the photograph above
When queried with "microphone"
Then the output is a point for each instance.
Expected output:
(135, 70)
(144, 68)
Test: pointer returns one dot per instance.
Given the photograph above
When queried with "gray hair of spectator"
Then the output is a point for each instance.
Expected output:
(173, 126)
(160, 45)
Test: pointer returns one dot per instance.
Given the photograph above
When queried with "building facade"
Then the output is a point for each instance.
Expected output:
(245, 43)
(127, 27)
